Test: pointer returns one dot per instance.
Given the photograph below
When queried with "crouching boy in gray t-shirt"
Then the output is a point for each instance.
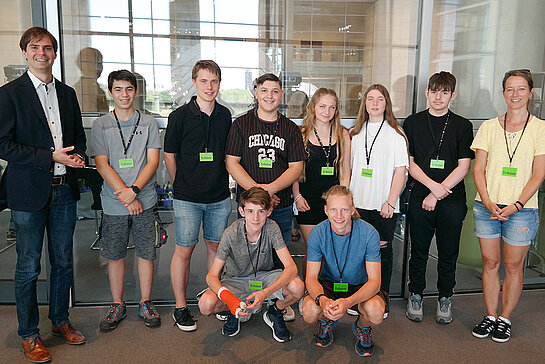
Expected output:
(245, 253)
(125, 145)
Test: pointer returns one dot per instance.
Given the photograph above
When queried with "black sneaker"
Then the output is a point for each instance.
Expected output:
(183, 319)
(324, 334)
(149, 313)
(231, 327)
(364, 343)
(386, 306)
(11, 236)
(222, 315)
(484, 328)
(116, 313)
(275, 319)
(502, 332)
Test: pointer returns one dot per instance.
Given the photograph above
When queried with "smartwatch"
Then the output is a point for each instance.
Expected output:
(135, 189)
(317, 299)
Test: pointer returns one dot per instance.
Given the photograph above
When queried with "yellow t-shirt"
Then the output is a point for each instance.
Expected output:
(505, 190)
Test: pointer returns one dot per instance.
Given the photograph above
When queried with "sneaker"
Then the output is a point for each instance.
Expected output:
(116, 313)
(484, 328)
(414, 308)
(300, 306)
(222, 315)
(11, 236)
(352, 312)
(275, 319)
(199, 295)
(231, 327)
(324, 334)
(502, 332)
(386, 306)
(183, 319)
(444, 311)
(364, 343)
(289, 316)
(149, 313)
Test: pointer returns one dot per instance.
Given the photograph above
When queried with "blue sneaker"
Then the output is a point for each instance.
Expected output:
(324, 334)
(364, 343)
(231, 327)
(275, 319)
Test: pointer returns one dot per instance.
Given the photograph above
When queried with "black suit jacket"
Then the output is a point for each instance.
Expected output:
(26, 143)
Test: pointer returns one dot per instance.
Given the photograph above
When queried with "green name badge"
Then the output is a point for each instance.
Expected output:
(340, 287)
(265, 163)
(327, 171)
(437, 163)
(509, 172)
(126, 163)
(258, 285)
(206, 157)
(365, 172)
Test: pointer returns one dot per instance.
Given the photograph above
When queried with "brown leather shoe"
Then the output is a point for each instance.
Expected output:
(35, 350)
(71, 335)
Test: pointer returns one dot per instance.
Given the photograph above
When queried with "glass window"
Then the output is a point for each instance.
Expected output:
(343, 45)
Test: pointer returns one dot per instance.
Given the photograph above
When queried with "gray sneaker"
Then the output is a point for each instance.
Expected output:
(444, 310)
(414, 308)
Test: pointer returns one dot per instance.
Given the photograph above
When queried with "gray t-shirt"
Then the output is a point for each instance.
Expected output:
(233, 249)
(106, 140)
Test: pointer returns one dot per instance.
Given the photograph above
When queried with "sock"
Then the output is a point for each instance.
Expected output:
(492, 318)
(504, 319)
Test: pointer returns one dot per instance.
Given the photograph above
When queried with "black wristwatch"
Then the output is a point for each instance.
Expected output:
(135, 189)
(317, 299)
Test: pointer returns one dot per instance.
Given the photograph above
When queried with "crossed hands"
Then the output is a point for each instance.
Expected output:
(334, 309)
(438, 192)
(498, 213)
(275, 199)
(128, 198)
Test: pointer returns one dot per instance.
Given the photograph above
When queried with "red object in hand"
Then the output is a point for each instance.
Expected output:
(235, 305)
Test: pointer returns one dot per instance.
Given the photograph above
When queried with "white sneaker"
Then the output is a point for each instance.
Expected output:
(300, 305)
(352, 312)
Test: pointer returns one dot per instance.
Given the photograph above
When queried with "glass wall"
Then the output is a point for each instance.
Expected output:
(478, 41)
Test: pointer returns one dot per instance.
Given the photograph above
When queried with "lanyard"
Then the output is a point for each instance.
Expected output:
(204, 134)
(368, 152)
(511, 156)
(335, 254)
(258, 249)
(259, 122)
(126, 147)
(328, 153)
(438, 146)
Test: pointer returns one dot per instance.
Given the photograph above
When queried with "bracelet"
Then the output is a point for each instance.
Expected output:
(520, 203)
(388, 202)
(297, 198)
(515, 204)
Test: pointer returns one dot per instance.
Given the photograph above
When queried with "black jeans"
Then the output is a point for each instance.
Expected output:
(386, 266)
(446, 223)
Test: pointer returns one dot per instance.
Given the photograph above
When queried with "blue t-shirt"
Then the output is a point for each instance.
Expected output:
(364, 247)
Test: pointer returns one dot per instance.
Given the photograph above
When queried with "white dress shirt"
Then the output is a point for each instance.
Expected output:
(48, 98)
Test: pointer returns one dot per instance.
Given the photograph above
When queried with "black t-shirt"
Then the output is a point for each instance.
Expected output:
(253, 139)
(196, 181)
(456, 145)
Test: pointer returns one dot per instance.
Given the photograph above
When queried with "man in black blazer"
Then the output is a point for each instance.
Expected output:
(42, 138)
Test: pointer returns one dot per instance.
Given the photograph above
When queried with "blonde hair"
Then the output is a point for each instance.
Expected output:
(342, 191)
(309, 122)
(363, 115)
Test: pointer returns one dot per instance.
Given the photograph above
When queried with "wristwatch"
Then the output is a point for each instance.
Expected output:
(135, 189)
(317, 299)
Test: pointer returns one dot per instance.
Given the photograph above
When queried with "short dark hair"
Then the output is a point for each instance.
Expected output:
(206, 64)
(267, 77)
(257, 196)
(442, 81)
(36, 33)
(121, 75)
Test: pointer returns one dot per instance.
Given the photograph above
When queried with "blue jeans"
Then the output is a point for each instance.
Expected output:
(284, 218)
(59, 217)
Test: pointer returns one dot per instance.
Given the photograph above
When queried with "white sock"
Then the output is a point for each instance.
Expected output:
(492, 318)
(505, 319)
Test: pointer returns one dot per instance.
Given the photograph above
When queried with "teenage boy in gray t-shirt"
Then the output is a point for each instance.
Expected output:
(125, 145)
(245, 254)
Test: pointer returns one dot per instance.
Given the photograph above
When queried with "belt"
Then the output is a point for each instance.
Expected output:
(58, 180)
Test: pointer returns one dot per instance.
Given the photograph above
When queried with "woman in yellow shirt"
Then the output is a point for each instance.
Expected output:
(509, 168)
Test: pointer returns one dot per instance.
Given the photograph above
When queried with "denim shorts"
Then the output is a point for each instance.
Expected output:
(519, 230)
(189, 215)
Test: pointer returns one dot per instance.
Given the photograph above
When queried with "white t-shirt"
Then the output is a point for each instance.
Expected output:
(388, 153)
